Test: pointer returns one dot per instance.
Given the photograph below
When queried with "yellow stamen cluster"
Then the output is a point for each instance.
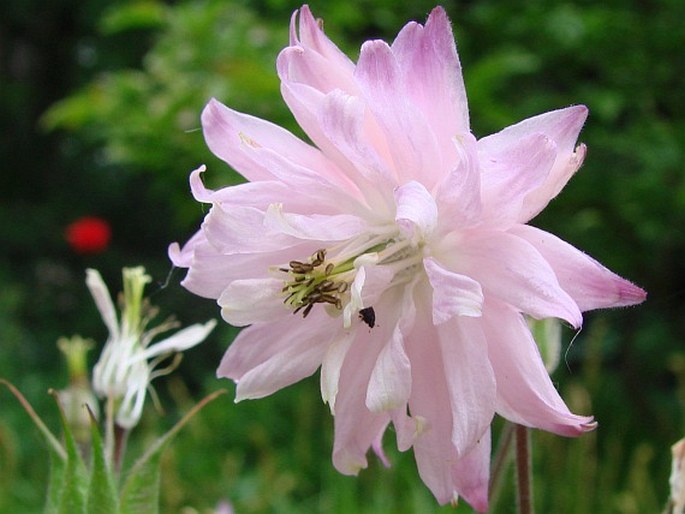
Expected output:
(314, 282)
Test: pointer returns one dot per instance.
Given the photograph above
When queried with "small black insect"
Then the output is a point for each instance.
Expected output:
(368, 316)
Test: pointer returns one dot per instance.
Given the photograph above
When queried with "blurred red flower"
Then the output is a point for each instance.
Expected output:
(88, 235)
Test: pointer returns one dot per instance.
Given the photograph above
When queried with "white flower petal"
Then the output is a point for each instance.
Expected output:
(179, 342)
(103, 301)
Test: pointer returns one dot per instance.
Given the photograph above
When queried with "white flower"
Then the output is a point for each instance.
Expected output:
(125, 369)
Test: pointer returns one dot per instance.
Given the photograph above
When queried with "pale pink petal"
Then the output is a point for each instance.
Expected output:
(253, 300)
(197, 187)
(430, 402)
(266, 357)
(510, 172)
(330, 368)
(590, 284)
(404, 136)
(306, 66)
(346, 125)
(417, 213)
(313, 227)
(236, 138)
(525, 393)
(453, 294)
(471, 474)
(253, 194)
(232, 227)
(390, 381)
(470, 380)
(432, 74)
(312, 39)
(511, 269)
(211, 270)
(458, 196)
(356, 427)
(561, 126)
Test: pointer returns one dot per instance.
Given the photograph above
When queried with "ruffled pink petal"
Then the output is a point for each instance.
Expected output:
(453, 391)
(313, 41)
(249, 144)
(525, 393)
(306, 66)
(511, 269)
(231, 228)
(561, 126)
(417, 213)
(356, 427)
(432, 76)
(252, 194)
(346, 125)
(331, 366)
(266, 357)
(471, 474)
(211, 270)
(430, 401)
(402, 134)
(390, 381)
(313, 227)
(590, 284)
(459, 194)
(253, 300)
(453, 294)
(510, 173)
(182, 257)
(470, 380)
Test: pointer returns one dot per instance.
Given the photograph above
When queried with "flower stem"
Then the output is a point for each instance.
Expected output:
(524, 478)
(120, 440)
(500, 461)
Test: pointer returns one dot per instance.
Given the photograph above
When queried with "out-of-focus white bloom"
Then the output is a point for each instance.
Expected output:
(128, 361)
(677, 479)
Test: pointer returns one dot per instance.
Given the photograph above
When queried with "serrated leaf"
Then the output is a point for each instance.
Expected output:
(102, 495)
(140, 493)
(75, 476)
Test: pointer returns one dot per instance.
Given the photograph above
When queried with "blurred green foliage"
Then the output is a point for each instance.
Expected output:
(99, 115)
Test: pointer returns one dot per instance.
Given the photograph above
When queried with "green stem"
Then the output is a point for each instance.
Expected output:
(524, 478)
(500, 461)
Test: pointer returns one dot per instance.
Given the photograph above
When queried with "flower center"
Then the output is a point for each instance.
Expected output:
(329, 281)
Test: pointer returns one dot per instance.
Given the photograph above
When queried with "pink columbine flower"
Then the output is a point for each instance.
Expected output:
(394, 253)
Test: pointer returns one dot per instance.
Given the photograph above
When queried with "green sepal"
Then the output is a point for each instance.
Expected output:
(102, 494)
(140, 493)
(75, 477)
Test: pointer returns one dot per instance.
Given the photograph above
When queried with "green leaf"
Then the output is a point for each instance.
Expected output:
(50, 439)
(55, 481)
(145, 14)
(140, 493)
(75, 475)
(58, 456)
(102, 494)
